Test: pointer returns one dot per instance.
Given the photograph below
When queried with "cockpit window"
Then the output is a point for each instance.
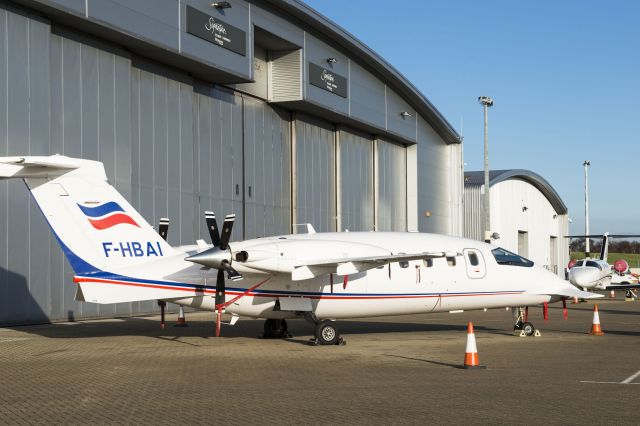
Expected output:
(505, 257)
(593, 264)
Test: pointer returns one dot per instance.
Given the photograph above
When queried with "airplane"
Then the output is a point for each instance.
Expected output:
(321, 277)
(596, 274)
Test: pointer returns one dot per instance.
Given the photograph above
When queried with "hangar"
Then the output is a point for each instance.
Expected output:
(262, 108)
(526, 212)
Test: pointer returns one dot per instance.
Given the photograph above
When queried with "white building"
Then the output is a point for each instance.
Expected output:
(526, 213)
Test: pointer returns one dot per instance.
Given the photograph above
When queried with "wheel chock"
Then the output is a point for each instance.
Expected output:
(535, 334)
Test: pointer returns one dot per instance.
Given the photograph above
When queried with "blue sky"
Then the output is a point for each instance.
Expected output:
(564, 76)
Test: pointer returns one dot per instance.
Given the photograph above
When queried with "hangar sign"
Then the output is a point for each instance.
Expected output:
(215, 31)
(327, 80)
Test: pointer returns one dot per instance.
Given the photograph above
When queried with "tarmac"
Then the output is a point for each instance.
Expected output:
(393, 370)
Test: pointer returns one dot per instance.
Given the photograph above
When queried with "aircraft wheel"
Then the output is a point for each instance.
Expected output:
(327, 333)
(528, 329)
(275, 329)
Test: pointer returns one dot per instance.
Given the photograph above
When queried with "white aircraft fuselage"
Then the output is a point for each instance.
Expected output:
(418, 286)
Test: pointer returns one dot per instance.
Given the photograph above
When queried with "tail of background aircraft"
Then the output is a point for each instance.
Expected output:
(604, 249)
(96, 227)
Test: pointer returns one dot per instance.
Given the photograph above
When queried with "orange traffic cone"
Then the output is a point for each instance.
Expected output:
(182, 321)
(471, 354)
(596, 330)
(612, 295)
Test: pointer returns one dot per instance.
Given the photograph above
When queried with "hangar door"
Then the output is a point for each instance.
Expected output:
(355, 172)
(314, 174)
(218, 164)
(391, 186)
(267, 169)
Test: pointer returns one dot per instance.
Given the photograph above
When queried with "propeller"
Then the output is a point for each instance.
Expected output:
(218, 257)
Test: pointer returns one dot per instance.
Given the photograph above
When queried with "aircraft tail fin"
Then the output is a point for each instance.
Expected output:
(94, 224)
(604, 250)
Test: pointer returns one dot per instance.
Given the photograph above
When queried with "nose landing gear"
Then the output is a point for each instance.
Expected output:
(522, 327)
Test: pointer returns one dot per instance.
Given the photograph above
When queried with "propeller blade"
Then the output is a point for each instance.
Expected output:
(212, 226)
(163, 227)
(220, 290)
(227, 226)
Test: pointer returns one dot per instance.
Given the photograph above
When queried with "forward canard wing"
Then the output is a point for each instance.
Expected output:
(353, 265)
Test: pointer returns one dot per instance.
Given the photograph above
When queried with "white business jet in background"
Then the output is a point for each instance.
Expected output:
(118, 257)
(596, 274)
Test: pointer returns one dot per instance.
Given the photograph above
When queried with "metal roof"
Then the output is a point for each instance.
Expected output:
(367, 56)
(497, 176)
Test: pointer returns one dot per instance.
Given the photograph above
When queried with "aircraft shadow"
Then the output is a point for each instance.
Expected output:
(17, 304)
(150, 327)
(604, 309)
(444, 364)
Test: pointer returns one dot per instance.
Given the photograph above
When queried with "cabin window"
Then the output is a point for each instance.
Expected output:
(473, 259)
(428, 263)
(451, 261)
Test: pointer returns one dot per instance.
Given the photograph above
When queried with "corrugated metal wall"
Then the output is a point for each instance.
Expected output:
(171, 145)
(267, 156)
(473, 212)
(315, 174)
(391, 184)
(218, 166)
(356, 181)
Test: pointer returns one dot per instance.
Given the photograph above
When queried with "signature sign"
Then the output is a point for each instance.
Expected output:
(208, 28)
(327, 80)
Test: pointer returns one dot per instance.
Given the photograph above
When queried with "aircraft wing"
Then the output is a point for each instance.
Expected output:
(571, 292)
(353, 265)
(621, 286)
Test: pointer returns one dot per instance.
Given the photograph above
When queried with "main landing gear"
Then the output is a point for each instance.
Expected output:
(522, 326)
(325, 331)
(275, 329)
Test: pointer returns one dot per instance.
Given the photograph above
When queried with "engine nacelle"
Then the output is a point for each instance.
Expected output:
(620, 266)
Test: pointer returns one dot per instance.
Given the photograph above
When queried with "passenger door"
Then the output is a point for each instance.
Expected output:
(474, 262)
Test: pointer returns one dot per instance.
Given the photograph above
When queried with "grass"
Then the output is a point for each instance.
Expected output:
(633, 259)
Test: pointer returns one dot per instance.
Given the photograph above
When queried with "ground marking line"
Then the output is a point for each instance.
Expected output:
(627, 381)
(12, 339)
(609, 383)
(630, 379)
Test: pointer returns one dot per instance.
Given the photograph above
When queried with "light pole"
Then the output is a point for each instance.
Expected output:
(486, 102)
(586, 165)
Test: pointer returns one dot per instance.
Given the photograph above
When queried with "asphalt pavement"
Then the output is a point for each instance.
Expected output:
(403, 370)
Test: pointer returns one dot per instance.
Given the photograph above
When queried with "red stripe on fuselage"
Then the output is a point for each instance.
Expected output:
(113, 220)
(275, 295)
